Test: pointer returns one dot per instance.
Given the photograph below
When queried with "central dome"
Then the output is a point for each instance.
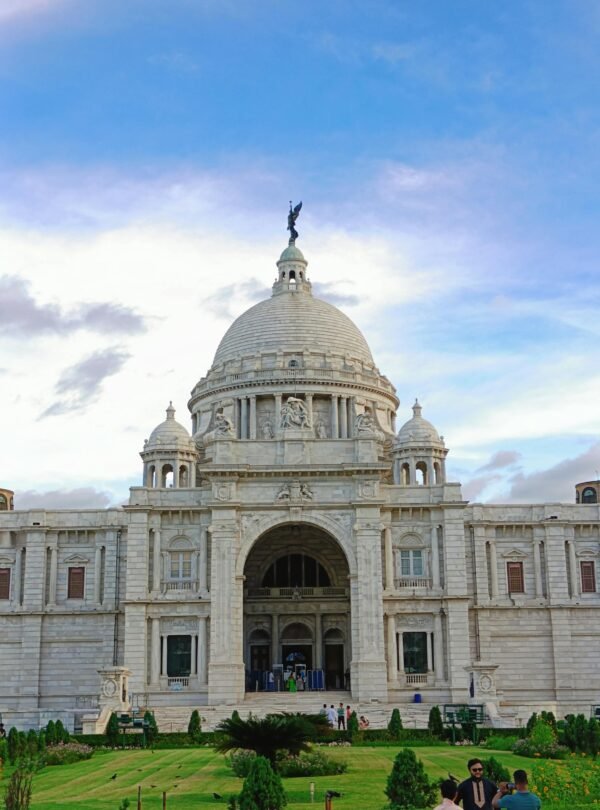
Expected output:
(293, 320)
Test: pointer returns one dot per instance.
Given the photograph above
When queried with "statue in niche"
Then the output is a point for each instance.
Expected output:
(294, 414)
(292, 217)
(267, 429)
(223, 425)
(321, 430)
(365, 424)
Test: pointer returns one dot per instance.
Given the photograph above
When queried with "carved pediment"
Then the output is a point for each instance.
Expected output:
(5, 560)
(515, 553)
(588, 552)
(76, 559)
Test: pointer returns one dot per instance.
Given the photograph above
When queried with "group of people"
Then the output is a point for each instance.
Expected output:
(341, 716)
(479, 793)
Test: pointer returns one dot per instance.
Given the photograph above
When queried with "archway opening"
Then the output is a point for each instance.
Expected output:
(296, 611)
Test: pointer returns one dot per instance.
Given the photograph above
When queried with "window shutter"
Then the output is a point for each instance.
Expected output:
(76, 582)
(4, 583)
(588, 577)
(515, 577)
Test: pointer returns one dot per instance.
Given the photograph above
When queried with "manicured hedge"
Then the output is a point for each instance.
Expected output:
(178, 739)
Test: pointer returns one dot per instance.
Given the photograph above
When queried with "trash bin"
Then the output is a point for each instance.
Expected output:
(418, 698)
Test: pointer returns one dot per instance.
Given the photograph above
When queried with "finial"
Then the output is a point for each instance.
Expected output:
(417, 408)
(170, 411)
(292, 217)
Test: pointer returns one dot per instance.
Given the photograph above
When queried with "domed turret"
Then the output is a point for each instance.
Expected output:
(419, 452)
(169, 455)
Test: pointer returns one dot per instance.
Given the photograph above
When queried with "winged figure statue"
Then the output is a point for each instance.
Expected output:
(292, 217)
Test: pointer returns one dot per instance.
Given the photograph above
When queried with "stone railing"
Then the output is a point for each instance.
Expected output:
(416, 679)
(179, 585)
(412, 582)
(177, 684)
(296, 593)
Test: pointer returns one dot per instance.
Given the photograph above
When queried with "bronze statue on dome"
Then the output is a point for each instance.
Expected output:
(292, 217)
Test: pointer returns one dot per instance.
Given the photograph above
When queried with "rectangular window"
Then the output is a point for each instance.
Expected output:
(516, 582)
(415, 652)
(4, 583)
(411, 563)
(588, 577)
(181, 565)
(76, 586)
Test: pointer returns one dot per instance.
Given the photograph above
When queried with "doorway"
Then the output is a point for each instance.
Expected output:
(334, 666)
(260, 657)
(179, 656)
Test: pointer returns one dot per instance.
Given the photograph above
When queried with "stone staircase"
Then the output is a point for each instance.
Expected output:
(259, 704)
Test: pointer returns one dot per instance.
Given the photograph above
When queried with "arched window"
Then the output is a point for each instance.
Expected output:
(296, 570)
(293, 364)
(421, 470)
(589, 495)
(166, 476)
(3, 503)
(405, 474)
(180, 560)
(437, 471)
(296, 631)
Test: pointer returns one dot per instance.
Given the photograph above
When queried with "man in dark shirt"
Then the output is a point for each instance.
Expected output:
(476, 793)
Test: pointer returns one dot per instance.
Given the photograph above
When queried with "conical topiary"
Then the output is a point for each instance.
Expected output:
(262, 788)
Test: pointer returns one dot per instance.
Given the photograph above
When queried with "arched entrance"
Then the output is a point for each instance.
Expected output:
(296, 611)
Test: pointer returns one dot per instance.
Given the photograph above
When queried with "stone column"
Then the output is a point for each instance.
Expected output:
(351, 416)
(435, 558)
(244, 418)
(430, 654)
(392, 672)
(537, 567)
(97, 575)
(344, 417)
(164, 655)
(155, 653)
(438, 648)
(202, 651)
(275, 639)
(318, 641)
(493, 569)
(309, 408)
(203, 563)
(175, 473)
(400, 642)
(389, 559)
(194, 661)
(136, 582)
(18, 578)
(253, 417)
(156, 561)
(335, 430)
(53, 575)
(573, 578)
(277, 425)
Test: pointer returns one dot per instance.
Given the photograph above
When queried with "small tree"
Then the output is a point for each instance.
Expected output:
(13, 742)
(495, 771)
(152, 728)
(531, 723)
(32, 743)
(22, 749)
(42, 741)
(262, 788)
(435, 724)
(3, 751)
(593, 737)
(353, 724)
(395, 724)
(62, 735)
(408, 785)
(550, 719)
(112, 731)
(18, 790)
(235, 715)
(195, 727)
(569, 733)
(542, 735)
(51, 733)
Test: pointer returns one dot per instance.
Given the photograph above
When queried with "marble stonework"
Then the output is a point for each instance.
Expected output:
(293, 450)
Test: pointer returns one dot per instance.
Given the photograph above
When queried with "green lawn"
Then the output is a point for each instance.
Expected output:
(190, 776)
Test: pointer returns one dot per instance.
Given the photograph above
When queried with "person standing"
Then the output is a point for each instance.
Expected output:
(521, 799)
(476, 793)
(331, 715)
(448, 789)
(341, 717)
(348, 715)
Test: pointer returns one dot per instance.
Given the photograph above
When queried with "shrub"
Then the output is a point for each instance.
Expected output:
(42, 741)
(531, 723)
(12, 743)
(495, 771)
(499, 743)
(3, 751)
(315, 763)
(542, 742)
(353, 725)
(395, 724)
(152, 728)
(435, 724)
(593, 737)
(124, 804)
(195, 727)
(262, 788)
(112, 731)
(22, 748)
(67, 753)
(408, 785)
(51, 733)
(62, 735)
(240, 762)
(32, 743)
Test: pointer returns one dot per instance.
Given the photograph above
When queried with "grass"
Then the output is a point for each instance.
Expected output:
(190, 776)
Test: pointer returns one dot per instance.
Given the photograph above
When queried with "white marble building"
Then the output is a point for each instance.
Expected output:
(295, 524)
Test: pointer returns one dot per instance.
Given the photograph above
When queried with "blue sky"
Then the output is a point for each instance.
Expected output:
(448, 158)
